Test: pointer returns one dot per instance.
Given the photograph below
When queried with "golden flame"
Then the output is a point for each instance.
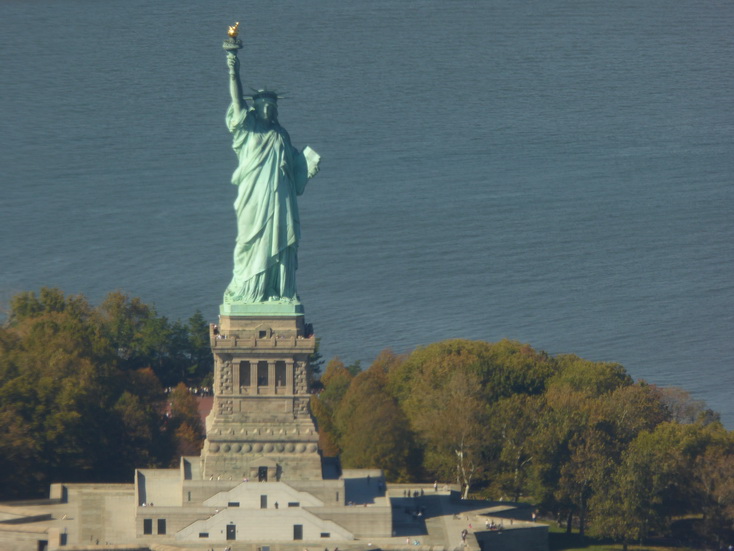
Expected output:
(234, 30)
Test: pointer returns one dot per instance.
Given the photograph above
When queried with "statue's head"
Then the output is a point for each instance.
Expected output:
(266, 105)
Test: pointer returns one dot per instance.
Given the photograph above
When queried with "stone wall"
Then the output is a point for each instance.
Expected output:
(532, 538)
(364, 522)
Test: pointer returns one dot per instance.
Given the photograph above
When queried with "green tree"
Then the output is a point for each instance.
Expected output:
(592, 378)
(713, 479)
(445, 389)
(512, 423)
(502, 369)
(715, 483)
(197, 351)
(373, 431)
(316, 360)
(68, 411)
(335, 381)
(175, 351)
(587, 469)
(566, 414)
(515, 368)
(328, 438)
(593, 413)
(123, 319)
(450, 419)
(652, 484)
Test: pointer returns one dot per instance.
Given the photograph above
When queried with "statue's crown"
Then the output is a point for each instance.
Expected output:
(264, 93)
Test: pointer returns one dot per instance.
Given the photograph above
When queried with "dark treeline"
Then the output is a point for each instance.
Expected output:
(81, 390)
(592, 448)
(82, 400)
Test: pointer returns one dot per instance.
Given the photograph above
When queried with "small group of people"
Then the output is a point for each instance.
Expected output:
(492, 525)
(194, 390)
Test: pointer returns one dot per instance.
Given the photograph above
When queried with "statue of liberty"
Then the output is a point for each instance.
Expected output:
(271, 173)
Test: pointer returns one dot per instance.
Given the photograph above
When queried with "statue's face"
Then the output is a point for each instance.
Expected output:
(267, 109)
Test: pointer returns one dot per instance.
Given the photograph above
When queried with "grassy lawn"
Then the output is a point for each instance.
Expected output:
(558, 540)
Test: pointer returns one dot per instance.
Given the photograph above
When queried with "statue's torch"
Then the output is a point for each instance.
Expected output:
(232, 43)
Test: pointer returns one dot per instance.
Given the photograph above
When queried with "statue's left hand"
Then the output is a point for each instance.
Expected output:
(314, 170)
(313, 160)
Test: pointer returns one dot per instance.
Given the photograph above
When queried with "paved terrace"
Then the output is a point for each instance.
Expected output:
(424, 519)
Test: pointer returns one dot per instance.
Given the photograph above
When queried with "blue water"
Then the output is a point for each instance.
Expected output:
(560, 173)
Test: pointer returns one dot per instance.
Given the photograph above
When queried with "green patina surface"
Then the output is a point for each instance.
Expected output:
(261, 309)
(270, 174)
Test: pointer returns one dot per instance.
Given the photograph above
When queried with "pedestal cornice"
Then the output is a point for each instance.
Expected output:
(262, 309)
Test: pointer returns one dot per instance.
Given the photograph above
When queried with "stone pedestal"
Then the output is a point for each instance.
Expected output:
(260, 427)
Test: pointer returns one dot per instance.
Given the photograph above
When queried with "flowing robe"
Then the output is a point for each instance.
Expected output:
(271, 173)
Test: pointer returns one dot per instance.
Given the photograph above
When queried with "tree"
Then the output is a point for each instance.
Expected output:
(592, 378)
(683, 408)
(335, 381)
(198, 351)
(373, 431)
(513, 421)
(650, 486)
(502, 369)
(139, 432)
(584, 472)
(713, 479)
(122, 319)
(67, 409)
(445, 389)
(565, 414)
(140, 338)
(434, 362)
(450, 419)
(515, 368)
(631, 410)
(328, 438)
(316, 360)
(594, 412)
(184, 422)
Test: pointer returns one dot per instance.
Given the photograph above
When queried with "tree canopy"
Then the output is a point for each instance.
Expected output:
(82, 399)
(80, 388)
(580, 439)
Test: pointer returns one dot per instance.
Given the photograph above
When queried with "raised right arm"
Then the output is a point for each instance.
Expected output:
(235, 86)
